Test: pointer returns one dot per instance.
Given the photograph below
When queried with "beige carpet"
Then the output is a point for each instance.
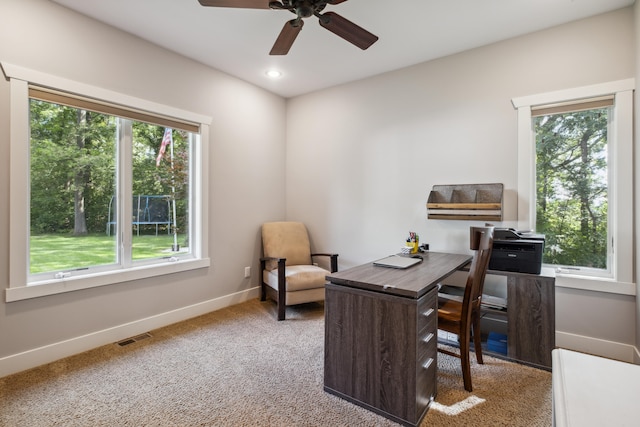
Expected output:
(240, 367)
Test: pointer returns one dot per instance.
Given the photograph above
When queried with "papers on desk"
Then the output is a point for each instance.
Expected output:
(454, 293)
(494, 302)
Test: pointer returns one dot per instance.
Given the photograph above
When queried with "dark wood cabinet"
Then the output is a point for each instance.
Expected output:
(381, 336)
(382, 352)
(530, 317)
(528, 321)
(381, 332)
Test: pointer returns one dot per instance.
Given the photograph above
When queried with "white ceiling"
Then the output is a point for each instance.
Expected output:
(238, 41)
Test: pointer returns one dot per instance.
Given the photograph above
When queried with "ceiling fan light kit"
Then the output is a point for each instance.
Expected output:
(333, 22)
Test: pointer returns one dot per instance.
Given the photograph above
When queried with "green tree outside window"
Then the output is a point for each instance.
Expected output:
(572, 187)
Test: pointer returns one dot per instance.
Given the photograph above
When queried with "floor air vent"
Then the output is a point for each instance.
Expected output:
(134, 339)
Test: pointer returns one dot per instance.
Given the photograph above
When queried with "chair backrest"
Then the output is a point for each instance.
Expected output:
(481, 241)
(288, 240)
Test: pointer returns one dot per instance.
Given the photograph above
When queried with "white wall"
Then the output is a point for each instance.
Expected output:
(636, 182)
(360, 172)
(246, 180)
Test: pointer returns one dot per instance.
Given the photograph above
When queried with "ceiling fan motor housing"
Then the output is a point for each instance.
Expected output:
(304, 9)
(307, 8)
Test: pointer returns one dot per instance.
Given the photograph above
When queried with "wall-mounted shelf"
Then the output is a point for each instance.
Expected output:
(480, 202)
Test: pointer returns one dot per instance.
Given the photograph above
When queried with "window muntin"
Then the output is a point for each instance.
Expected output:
(572, 186)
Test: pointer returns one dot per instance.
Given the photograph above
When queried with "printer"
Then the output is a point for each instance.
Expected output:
(516, 251)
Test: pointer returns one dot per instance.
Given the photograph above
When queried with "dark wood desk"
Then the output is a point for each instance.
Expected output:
(381, 334)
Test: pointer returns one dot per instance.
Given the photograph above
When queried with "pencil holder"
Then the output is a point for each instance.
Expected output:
(413, 247)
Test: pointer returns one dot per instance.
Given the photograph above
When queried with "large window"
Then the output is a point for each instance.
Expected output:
(572, 183)
(114, 190)
(575, 153)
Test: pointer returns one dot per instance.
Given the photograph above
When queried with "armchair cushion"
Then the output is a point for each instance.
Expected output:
(298, 277)
(288, 240)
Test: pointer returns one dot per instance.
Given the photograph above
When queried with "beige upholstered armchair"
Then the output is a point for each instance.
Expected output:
(289, 275)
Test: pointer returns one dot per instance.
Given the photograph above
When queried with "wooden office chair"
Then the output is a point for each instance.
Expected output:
(289, 275)
(462, 317)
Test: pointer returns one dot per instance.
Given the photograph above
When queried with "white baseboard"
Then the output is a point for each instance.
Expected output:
(609, 349)
(50, 353)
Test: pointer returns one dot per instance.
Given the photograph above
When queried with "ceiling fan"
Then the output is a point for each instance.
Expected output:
(303, 9)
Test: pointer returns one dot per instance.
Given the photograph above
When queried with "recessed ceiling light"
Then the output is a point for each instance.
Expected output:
(274, 74)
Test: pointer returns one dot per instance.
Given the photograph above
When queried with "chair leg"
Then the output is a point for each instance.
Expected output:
(465, 359)
(477, 339)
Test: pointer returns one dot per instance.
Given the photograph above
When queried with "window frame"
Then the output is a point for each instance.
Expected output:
(620, 277)
(19, 287)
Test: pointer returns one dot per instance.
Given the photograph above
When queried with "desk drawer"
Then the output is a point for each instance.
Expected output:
(428, 310)
(426, 382)
(427, 345)
(426, 351)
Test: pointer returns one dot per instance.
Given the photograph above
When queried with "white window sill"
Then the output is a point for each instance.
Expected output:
(595, 284)
(70, 284)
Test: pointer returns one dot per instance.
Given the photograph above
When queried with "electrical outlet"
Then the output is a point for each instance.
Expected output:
(247, 272)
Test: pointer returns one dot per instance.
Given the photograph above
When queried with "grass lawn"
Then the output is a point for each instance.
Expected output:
(58, 252)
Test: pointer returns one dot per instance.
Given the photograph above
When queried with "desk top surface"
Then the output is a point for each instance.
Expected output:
(412, 282)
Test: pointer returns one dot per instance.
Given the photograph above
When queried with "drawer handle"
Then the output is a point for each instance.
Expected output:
(427, 363)
(428, 337)
(428, 312)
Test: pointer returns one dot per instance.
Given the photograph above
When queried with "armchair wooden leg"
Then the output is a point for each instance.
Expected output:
(282, 289)
(263, 291)
(263, 286)
(281, 311)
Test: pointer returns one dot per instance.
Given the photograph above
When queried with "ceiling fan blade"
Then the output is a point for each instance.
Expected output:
(286, 37)
(336, 1)
(248, 4)
(347, 30)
